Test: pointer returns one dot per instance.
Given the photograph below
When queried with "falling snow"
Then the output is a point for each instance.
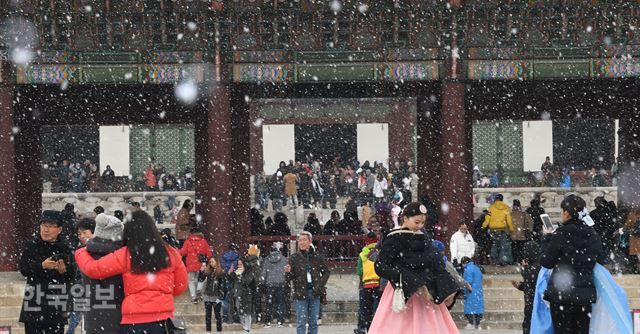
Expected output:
(277, 117)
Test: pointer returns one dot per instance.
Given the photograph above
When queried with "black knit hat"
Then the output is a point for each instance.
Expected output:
(51, 216)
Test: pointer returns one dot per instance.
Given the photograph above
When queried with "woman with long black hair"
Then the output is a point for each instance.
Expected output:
(152, 271)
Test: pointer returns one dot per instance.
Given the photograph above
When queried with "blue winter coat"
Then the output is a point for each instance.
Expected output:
(474, 301)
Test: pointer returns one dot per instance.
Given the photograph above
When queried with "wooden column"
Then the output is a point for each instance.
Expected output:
(629, 159)
(429, 142)
(213, 168)
(8, 231)
(401, 124)
(456, 159)
(255, 145)
(240, 162)
(28, 170)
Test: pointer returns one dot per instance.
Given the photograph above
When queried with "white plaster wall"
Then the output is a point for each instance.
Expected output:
(615, 136)
(278, 144)
(537, 143)
(373, 142)
(114, 149)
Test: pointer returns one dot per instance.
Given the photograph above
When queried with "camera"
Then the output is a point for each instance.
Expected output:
(59, 256)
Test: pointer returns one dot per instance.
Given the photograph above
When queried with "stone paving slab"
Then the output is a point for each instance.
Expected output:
(344, 329)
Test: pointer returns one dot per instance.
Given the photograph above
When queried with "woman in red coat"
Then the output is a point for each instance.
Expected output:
(197, 251)
(152, 273)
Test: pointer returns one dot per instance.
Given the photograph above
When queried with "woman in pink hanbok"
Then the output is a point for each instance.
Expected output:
(407, 254)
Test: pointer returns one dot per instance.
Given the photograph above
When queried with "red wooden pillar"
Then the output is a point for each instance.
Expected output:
(240, 162)
(456, 159)
(213, 155)
(401, 124)
(255, 145)
(8, 259)
(429, 142)
(629, 159)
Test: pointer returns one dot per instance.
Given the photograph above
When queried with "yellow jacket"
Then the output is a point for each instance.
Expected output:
(499, 217)
(366, 270)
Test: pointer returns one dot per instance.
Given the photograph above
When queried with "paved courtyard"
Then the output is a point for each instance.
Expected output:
(348, 329)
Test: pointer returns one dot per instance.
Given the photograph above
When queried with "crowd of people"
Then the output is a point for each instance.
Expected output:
(106, 280)
(314, 185)
(307, 184)
(65, 176)
(501, 232)
(132, 271)
(550, 175)
(99, 266)
(571, 250)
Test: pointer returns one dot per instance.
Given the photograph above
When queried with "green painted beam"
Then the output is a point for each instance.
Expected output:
(559, 69)
(116, 74)
(167, 73)
(323, 72)
(330, 72)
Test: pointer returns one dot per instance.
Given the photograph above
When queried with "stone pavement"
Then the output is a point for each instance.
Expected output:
(347, 329)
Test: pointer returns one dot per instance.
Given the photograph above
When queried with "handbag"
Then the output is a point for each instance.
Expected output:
(636, 228)
(175, 326)
(323, 296)
(623, 242)
(398, 305)
(202, 276)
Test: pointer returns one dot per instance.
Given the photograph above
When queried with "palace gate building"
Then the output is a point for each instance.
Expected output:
(430, 65)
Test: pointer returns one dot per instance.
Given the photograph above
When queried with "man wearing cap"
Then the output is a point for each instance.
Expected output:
(500, 224)
(309, 274)
(274, 278)
(46, 264)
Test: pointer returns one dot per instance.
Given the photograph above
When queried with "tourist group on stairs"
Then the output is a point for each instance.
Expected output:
(405, 279)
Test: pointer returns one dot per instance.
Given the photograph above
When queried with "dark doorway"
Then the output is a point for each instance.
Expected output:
(75, 143)
(583, 143)
(326, 142)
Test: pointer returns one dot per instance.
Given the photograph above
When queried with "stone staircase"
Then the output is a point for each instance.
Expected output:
(297, 220)
(504, 304)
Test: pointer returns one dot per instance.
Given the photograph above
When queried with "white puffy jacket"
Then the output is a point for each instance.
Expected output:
(462, 245)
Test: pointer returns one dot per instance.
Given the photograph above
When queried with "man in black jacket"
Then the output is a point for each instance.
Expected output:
(530, 269)
(571, 251)
(605, 223)
(46, 264)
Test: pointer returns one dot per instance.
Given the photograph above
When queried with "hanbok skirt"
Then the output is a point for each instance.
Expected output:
(420, 317)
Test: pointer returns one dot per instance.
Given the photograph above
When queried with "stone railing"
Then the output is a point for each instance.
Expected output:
(550, 197)
(84, 203)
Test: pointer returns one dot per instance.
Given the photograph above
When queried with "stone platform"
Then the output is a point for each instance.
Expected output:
(85, 202)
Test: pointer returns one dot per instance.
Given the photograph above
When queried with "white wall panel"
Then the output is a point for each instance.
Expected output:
(373, 143)
(278, 144)
(537, 143)
(114, 149)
